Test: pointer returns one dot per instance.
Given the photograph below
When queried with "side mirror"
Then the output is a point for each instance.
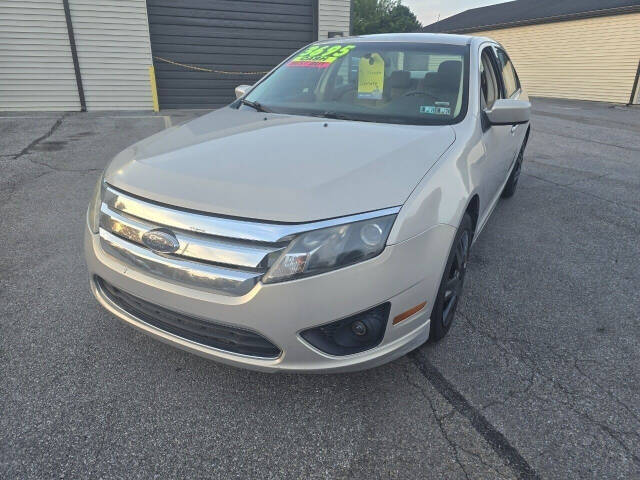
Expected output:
(241, 90)
(508, 112)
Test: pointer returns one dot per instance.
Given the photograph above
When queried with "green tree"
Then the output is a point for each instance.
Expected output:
(383, 16)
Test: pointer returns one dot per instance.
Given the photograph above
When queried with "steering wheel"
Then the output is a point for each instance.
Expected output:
(420, 92)
(342, 96)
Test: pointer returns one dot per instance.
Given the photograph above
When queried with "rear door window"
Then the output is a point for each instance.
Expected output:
(509, 76)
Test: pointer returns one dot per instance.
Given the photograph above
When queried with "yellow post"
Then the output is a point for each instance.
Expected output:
(154, 88)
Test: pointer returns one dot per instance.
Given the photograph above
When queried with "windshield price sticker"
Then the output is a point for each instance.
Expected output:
(320, 56)
(371, 77)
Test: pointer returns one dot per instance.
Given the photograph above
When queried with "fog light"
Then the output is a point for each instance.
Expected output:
(359, 328)
(353, 334)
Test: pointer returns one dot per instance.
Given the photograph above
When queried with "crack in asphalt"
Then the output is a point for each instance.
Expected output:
(60, 169)
(27, 150)
(529, 382)
(588, 140)
(452, 445)
(35, 142)
(568, 187)
(457, 448)
(607, 392)
(591, 175)
(494, 438)
(613, 433)
(12, 186)
(594, 122)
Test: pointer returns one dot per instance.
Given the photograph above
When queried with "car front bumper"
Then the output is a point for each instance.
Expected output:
(405, 274)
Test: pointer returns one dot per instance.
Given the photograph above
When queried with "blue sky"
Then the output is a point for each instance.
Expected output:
(427, 10)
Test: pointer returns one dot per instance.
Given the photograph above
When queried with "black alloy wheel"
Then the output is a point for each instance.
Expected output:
(453, 287)
(450, 290)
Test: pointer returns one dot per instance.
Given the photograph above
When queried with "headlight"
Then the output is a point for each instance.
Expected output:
(93, 214)
(331, 248)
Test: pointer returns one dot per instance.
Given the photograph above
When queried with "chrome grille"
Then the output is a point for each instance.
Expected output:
(224, 255)
(204, 259)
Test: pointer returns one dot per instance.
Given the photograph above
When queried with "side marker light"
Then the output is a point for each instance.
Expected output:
(409, 313)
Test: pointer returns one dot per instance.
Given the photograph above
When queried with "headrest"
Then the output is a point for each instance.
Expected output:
(400, 79)
(449, 71)
(430, 79)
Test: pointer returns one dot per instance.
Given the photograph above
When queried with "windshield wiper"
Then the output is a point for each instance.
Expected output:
(339, 116)
(336, 115)
(257, 105)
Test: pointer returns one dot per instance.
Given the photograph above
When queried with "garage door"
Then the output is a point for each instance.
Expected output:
(191, 37)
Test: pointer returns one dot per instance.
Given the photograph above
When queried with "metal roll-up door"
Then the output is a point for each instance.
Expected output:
(222, 35)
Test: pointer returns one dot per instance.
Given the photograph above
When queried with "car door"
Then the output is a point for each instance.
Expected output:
(511, 89)
(497, 139)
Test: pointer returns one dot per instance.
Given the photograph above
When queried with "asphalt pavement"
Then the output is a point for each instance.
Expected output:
(538, 378)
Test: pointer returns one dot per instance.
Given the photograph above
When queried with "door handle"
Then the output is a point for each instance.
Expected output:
(514, 128)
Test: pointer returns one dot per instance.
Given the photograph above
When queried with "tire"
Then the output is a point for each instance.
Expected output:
(450, 290)
(512, 183)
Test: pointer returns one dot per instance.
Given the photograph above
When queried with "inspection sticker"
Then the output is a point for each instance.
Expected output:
(435, 110)
(320, 56)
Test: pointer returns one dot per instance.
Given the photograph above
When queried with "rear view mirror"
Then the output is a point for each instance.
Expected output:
(508, 112)
(241, 90)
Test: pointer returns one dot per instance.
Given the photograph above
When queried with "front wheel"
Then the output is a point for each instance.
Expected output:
(450, 290)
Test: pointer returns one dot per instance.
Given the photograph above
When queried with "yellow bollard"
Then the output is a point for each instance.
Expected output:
(154, 88)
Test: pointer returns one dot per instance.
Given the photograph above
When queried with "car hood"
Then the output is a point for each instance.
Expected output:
(282, 168)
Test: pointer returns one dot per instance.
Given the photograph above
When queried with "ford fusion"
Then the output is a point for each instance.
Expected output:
(323, 220)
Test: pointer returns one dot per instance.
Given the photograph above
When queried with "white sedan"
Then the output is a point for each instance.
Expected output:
(323, 220)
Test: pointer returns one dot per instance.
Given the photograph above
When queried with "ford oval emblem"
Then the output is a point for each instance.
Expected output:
(161, 240)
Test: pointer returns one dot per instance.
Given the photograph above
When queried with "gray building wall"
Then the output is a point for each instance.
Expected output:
(36, 68)
(114, 53)
(114, 40)
(333, 16)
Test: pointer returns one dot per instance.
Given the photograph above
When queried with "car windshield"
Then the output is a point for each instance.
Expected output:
(410, 83)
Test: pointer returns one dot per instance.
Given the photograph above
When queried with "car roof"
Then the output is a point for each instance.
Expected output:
(440, 38)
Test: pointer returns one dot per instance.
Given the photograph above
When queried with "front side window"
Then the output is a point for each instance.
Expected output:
(371, 81)
(489, 85)
(511, 83)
